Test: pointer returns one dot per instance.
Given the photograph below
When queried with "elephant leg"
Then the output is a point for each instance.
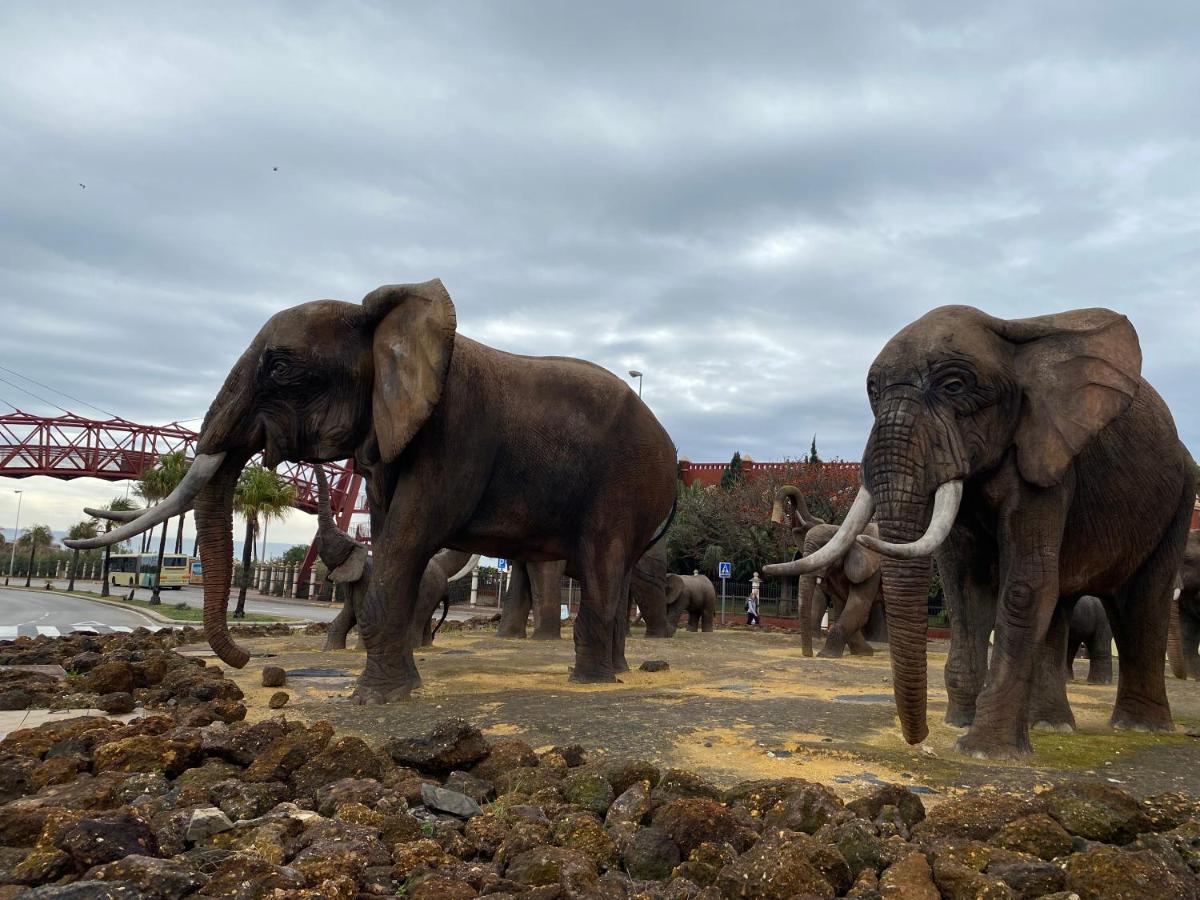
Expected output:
(603, 583)
(1175, 654)
(970, 598)
(1138, 615)
(1189, 641)
(514, 611)
(1048, 706)
(708, 614)
(1100, 651)
(850, 623)
(693, 619)
(340, 627)
(385, 623)
(620, 632)
(545, 579)
(1031, 533)
(812, 608)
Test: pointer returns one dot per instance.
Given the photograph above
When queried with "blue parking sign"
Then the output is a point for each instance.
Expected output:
(502, 565)
(725, 570)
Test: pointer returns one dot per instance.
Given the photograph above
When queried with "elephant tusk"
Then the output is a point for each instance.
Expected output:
(203, 467)
(856, 520)
(471, 563)
(114, 515)
(945, 510)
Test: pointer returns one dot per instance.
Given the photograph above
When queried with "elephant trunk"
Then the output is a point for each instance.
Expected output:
(793, 493)
(214, 528)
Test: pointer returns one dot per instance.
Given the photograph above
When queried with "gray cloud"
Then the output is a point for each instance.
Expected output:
(743, 202)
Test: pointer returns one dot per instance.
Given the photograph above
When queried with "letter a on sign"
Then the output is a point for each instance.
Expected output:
(725, 570)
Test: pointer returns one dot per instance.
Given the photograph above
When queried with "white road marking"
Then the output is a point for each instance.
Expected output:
(48, 630)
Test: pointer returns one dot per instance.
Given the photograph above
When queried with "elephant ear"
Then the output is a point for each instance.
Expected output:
(352, 569)
(412, 346)
(674, 587)
(1078, 371)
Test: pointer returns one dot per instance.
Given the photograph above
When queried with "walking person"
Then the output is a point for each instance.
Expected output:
(752, 607)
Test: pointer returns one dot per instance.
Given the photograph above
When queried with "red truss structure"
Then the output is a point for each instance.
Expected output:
(70, 446)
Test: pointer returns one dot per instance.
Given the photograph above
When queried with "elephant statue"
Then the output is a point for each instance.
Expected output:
(1089, 629)
(533, 585)
(851, 582)
(461, 445)
(1019, 452)
(1185, 614)
(349, 563)
(648, 591)
(695, 595)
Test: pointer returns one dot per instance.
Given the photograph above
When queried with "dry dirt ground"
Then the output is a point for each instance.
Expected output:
(734, 705)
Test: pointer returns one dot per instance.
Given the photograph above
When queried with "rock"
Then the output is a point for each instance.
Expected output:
(1170, 810)
(273, 676)
(977, 816)
(623, 772)
(84, 662)
(193, 787)
(1097, 811)
(572, 754)
(279, 700)
(584, 833)
(861, 847)
(503, 758)
(805, 809)
(909, 879)
(106, 838)
(478, 789)
(109, 678)
(589, 791)
(1106, 873)
(116, 704)
(693, 820)
(366, 791)
(57, 770)
(39, 866)
(530, 781)
(1033, 878)
(412, 856)
(287, 753)
(631, 807)
(150, 753)
(205, 822)
(448, 801)
(440, 887)
(1037, 834)
(650, 854)
(756, 797)
(85, 890)
(16, 699)
(346, 757)
(246, 878)
(705, 863)
(241, 744)
(160, 878)
(552, 865)
(452, 744)
(774, 870)
(15, 772)
(908, 806)
(247, 800)
(677, 783)
(655, 665)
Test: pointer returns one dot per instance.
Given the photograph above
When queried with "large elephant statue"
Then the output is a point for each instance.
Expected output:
(648, 591)
(536, 586)
(1019, 451)
(694, 595)
(349, 563)
(851, 582)
(1185, 614)
(461, 445)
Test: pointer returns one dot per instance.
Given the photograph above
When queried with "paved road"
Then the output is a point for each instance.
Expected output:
(30, 613)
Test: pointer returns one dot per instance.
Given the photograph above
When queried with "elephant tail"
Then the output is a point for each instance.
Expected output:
(665, 525)
(445, 612)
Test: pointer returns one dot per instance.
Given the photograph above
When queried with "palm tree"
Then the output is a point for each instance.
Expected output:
(80, 530)
(161, 481)
(260, 495)
(119, 504)
(35, 536)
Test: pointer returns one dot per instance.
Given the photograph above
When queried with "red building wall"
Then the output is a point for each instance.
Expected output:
(709, 474)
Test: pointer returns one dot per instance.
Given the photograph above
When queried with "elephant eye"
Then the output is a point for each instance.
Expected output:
(279, 368)
(953, 387)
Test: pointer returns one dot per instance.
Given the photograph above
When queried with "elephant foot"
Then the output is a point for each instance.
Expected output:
(862, 651)
(335, 645)
(986, 746)
(378, 695)
(1099, 679)
(708, 629)
(546, 636)
(585, 676)
(959, 717)
(828, 652)
(1059, 727)
(1146, 727)
(510, 634)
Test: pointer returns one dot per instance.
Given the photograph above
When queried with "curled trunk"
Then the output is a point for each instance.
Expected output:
(214, 528)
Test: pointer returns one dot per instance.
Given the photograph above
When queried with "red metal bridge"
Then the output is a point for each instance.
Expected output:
(70, 446)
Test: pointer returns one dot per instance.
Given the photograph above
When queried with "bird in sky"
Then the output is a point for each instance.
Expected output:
(82, 185)
(274, 168)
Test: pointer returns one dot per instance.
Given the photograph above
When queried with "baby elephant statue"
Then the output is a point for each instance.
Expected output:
(695, 595)
(1183, 640)
(1089, 628)
(851, 581)
(349, 563)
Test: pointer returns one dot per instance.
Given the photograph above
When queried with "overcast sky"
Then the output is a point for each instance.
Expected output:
(744, 201)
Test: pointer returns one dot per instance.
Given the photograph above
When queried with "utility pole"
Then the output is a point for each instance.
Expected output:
(16, 528)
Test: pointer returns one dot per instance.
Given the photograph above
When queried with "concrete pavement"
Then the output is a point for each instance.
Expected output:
(42, 612)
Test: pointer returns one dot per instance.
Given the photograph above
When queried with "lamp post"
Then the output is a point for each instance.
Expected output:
(17, 527)
(634, 373)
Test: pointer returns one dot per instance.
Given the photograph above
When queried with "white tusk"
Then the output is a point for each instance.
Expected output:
(945, 510)
(471, 564)
(856, 520)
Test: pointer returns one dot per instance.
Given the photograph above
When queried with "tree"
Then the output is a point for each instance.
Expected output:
(117, 504)
(79, 531)
(260, 495)
(813, 459)
(733, 472)
(162, 480)
(294, 556)
(35, 536)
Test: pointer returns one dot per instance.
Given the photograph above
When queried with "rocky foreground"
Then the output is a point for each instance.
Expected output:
(190, 801)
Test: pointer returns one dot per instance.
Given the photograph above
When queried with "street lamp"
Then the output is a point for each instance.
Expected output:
(634, 373)
(17, 527)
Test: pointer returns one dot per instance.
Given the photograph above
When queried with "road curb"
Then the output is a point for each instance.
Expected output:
(152, 617)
